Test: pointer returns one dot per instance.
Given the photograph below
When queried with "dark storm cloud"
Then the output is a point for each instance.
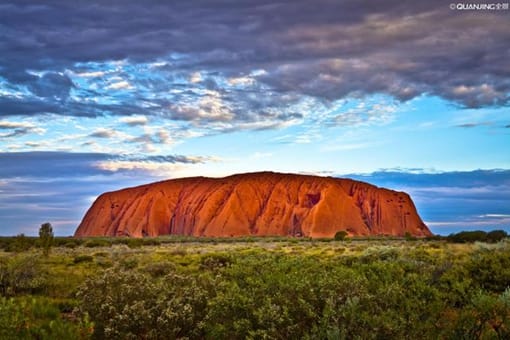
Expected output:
(325, 49)
(52, 85)
(56, 164)
(59, 187)
(49, 164)
(14, 106)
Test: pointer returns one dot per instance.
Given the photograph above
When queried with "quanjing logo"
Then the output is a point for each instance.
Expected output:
(493, 6)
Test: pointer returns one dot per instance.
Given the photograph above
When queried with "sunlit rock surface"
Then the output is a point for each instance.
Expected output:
(263, 203)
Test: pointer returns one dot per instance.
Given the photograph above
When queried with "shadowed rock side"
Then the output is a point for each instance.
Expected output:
(253, 204)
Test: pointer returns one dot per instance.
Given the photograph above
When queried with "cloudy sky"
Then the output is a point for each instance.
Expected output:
(100, 95)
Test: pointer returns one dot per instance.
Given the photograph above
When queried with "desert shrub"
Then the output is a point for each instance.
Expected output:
(83, 258)
(21, 274)
(101, 254)
(409, 237)
(215, 261)
(340, 250)
(115, 295)
(273, 296)
(97, 242)
(67, 242)
(104, 262)
(151, 241)
(379, 253)
(378, 289)
(129, 305)
(21, 243)
(263, 296)
(340, 235)
(159, 269)
(129, 262)
(486, 316)
(490, 269)
(134, 242)
(37, 318)
(181, 251)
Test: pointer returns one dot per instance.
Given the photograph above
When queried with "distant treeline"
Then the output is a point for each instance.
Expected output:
(477, 236)
(21, 242)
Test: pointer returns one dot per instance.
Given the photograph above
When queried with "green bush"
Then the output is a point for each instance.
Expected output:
(409, 237)
(215, 261)
(340, 235)
(129, 263)
(367, 289)
(18, 244)
(134, 242)
(490, 269)
(97, 242)
(83, 258)
(38, 318)
(159, 269)
(67, 242)
(128, 305)
(486, 316)
(21, 243)
(21, 274)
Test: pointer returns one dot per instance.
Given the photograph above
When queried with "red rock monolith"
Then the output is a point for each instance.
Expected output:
(260, 204)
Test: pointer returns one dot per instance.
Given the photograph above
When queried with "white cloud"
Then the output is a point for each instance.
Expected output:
(195, 77)
(15, 125)
(91, 74)
(347, 146)
(259, 155)
(39, 144)
(244, 81)
(103, 133)
(121, 85)
(210, 107)
(154, 168)
(134, 120)
(495, 216)
(366, 113)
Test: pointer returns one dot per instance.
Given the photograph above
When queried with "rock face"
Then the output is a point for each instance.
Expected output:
(262, 203)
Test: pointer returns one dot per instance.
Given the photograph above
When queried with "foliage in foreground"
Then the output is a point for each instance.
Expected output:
(283, 290)
(384, 293)
(38, 318)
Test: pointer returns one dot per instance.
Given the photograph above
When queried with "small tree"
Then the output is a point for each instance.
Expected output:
(341, 235)
(46, 237)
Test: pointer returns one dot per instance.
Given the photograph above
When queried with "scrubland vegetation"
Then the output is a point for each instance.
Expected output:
(271, 288)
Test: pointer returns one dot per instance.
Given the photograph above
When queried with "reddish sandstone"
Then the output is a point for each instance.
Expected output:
(263, 203)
